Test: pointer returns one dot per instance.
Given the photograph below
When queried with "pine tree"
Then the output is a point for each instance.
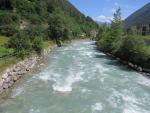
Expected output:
(116, 31)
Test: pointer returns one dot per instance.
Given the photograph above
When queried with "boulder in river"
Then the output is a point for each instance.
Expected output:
(139, 69)
(130, 65)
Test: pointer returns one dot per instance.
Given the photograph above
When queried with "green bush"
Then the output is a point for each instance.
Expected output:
(21, 44)
(133, 47)
(38, 45)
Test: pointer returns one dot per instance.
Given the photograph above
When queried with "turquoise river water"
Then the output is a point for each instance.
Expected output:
(79, 79)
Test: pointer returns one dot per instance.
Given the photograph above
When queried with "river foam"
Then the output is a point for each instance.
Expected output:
(66, 84)
(78, 79)
(62, 83)
(97, 107)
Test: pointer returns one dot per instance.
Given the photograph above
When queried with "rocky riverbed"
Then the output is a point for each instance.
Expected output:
(17, 71)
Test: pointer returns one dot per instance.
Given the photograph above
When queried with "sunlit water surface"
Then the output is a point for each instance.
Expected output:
(79, 79)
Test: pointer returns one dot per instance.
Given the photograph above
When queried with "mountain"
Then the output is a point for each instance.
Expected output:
(16, 15)
(141, 16)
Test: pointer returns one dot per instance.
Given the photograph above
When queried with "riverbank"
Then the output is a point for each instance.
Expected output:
(78, 78)
(138, 68)
(18, 70)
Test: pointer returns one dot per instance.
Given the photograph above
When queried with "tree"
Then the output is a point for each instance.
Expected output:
(66, 34)
(110, 39)
(21, 44)
(38, 44)
(56, 29)
(116, 32)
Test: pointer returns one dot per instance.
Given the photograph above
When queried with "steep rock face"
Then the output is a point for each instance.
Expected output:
(138, 18)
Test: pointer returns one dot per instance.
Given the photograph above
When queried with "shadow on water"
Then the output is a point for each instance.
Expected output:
(119, 65)
(94, 43)
(112, 62)
(103, 56)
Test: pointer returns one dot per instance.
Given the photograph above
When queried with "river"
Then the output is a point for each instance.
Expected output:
(79, 79)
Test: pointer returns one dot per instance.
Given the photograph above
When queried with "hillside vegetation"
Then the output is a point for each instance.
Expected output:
(126, 45)
(30, 22)
(28, 26)
(141, 16)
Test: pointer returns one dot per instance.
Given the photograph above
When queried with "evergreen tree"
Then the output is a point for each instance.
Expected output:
(116, 32)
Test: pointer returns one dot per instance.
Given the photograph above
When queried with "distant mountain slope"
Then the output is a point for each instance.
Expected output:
(141, 16)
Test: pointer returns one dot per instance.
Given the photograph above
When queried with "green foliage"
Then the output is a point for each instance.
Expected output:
(37, 12)
(128, 46)
(103, 39)
(42, 20)
(56, 29)
(25, 6)
(8, 23)
(37, 31)
(3, 40)
(110, 40)
(21, 44)
(5, 51)
(38, 45)
(133, 47)
(59, 24)
(116, 32)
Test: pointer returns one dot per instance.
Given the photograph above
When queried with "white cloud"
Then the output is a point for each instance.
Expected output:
(103, 18)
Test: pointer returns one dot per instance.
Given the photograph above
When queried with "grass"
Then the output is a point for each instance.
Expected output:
(48, 44)
(147, 37)
(3, 49)
(5, 62)
(9, 61)
(3, 40)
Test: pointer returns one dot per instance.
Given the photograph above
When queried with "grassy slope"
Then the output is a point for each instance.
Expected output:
(3, 51)
(9, 61)
(3, 40)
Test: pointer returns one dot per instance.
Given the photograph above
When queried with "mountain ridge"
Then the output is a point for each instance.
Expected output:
(139, 17)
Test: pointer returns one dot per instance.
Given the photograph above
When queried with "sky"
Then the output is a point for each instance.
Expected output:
(102, 10)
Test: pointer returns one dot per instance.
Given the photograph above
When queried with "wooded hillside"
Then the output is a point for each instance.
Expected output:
(30, 14)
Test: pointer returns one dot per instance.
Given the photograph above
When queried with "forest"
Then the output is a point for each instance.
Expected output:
(29, 23)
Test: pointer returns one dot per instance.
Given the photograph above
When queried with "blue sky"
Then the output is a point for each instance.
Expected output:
(102, 10)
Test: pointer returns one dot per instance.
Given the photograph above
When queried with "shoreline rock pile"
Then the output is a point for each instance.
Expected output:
(11, 75)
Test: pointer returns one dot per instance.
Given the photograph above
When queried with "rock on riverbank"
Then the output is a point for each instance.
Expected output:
(11, 75)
